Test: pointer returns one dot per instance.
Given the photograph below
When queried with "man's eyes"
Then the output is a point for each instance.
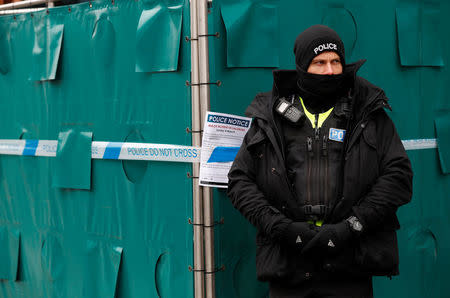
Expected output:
(320, 62)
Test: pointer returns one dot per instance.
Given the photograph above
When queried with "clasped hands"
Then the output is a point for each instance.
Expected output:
(309, 238)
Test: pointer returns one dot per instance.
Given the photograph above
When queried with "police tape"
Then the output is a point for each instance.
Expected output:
(141, 151)
(107, 150)
(419, 144)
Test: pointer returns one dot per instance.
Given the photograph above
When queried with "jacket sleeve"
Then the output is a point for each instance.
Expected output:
(246, 196)
(393, 187)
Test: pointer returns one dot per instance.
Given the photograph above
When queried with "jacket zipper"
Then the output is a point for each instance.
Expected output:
(317, 129)
(317, 169)
(325, 157)
(309, 143)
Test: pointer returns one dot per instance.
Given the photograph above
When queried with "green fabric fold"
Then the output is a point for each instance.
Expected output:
(158, 38)
(9, 253)
(252, 33)
(48, 37)
(73, 160)
(442, 125)
(419, 40)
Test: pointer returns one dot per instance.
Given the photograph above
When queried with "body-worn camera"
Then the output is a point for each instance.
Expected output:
(288, 111)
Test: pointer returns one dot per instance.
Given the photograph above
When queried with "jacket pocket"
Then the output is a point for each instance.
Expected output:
(369, 162)
(377, 253)
(271, 261)
(369, 135)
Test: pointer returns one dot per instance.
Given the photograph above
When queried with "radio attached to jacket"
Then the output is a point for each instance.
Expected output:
(288, 110)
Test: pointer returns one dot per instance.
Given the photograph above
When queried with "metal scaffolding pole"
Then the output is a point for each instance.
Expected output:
(197, 225)
(208, 212)
(28, 3)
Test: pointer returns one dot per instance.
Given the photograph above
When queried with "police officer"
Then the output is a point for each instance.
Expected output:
(320, 174)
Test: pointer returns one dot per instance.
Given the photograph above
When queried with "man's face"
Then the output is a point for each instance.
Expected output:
(327, 63)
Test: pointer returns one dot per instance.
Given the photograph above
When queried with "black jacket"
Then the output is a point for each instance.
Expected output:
(376, 180)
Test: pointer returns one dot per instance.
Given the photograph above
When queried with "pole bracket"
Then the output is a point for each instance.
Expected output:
(216, 223)
(188, 39)
(190, 176)
(194, 224)
(188, 130)
(192, 269)
(221, 268)
(217, 35)
(218, 83)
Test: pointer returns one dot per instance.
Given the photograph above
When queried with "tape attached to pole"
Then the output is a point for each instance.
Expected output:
(148, 151)
(419, 144)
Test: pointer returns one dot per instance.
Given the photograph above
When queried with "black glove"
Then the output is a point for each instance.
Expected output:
(330, 239)
(298, 234)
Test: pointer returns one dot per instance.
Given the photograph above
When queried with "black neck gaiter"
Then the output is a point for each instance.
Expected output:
(321, 92)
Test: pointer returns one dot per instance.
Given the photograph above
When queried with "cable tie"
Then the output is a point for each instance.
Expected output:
(216, 223)
(217, 35)
(190, 176)
(191, 269)
(194, 224)
(188, 130)
(218, 83)
(221, 268)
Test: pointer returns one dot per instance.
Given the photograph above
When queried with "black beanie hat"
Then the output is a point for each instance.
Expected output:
(314, 41)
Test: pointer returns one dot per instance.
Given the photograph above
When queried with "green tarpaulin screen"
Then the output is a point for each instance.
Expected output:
(95, 228)
(117, 72)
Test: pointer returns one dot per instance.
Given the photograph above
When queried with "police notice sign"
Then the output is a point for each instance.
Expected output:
(222, 138)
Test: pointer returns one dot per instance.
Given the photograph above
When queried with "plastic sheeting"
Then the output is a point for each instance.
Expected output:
(127, 234)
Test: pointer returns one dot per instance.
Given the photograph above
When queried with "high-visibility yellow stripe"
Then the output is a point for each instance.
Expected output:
(322, 116)
(318, 223)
